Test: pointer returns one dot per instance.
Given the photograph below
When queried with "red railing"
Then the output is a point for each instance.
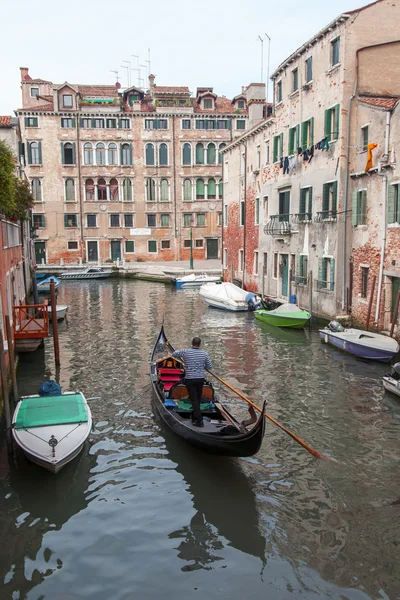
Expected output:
(31, 321)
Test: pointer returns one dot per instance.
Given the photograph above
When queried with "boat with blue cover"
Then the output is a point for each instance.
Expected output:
(43, 286)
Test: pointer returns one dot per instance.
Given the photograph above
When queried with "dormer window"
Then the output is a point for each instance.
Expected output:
(133, 98)
(208, 103)
(67, 100)
(34, 92)
(241, 104)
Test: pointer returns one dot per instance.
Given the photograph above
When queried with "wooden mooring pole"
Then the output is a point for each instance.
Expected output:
(11, 357)
(396, 312)
(53, 304)
(371, 298)
(4, 387)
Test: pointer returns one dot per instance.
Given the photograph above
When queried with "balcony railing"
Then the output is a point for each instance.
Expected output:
(302, 218)
(326, 215)
(324, 286)
(279, 225)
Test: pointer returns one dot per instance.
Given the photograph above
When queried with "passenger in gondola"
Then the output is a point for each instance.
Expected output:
(195, 361)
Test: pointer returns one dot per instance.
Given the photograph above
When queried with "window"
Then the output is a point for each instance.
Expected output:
(359, 208)
(127, 190)
(335, 52)
(275, 275)
(219, 219)
(241, 104)
(67, 100)
(265, 207)
(241, 260)
(220, 189)
(364, 138)
(38, 221)
(164, 220)
(220, 147)
(225, 258)
(213, 124)
(34, 92)
(31, 122)
(165, 244)
(186, 124)
(100, 154)
(225, 215)
(86, 123)
(199, 243)
(307, 134)
(284, 206)
(129, 246)
(242, 213)
(112, 154)
(151, 221)
(199, 154)
(207, 103)
(186, 154)
(114, 192)
(101, 189)
(326, 274)
(187, 244)
(295, 80)
(257, 212)
(163, 155)
(133, 98)
(88, 154)
(301, 269)
(393, 214)
(305, 205)
(294, 139)
(211, 154)
(258, 158)
(211, 189)
(91, 220)
(364, 281)
(200, 189)
(279, 92)
(187, 219)
(164, 190)
(278, 147)
(70, 220)
(266, 152)
(36, 185)
(329, 200)
(67, 123)
(156, 124)
(114, 220)
(126, 154)
(255, 263)
(98, 123)
(150, 190)
(187, 190)
(128, 220)
(111, 123)
(150, 158)
(72, 246)
(69, 190)
(200, 220)
(152, 246)
(332, 123)
(89, 190)
(35, 153)
(240, 124)
(68, 153)
(124, 124)
(308, 65)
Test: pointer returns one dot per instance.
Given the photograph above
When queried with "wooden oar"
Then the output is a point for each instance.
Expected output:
(309, 448)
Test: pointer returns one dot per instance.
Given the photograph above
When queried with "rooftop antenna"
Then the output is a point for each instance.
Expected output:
(269, 48)
(128, 68)
(137, 69)
(262, 58)
(145, 67)
(148, 61)
(115, 72)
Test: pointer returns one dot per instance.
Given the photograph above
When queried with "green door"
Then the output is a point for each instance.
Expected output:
(395, 291)
(284, 274)
(212, 248)
(40, 252)
(115, 250)
(93, 254)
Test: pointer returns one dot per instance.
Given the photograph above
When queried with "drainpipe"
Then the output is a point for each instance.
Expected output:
(78, 158)
(383, 160)
(223, 222)
(244, 214)
(177, 240)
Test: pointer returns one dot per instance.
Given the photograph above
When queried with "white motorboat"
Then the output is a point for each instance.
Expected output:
(88, 273)
(391, 381)
(51, 430)
(43, 286)
(227, 296)
(61, 311)
(194, 280)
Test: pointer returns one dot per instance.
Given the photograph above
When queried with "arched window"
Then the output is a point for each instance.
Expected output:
(101, 189)
(89, 186)
(69, 190)
(220, 189)
(164, 190)
(100, 154)
(186, 154)
(211, 189)
(114, 190)
(68, 154)
(187, 190)
(126, 154)
(149, 155)
(150, 190)
(88, 154)
(112, 154)
(35, 153)
(163, 155)
(200, 189)
(127, 190)
(200, 154)
(219, 153)
(211, 154)
(36, 190)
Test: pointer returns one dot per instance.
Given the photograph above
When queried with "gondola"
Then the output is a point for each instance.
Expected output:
(222, 433)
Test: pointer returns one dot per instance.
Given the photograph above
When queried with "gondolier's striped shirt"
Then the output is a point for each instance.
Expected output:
(195, 360)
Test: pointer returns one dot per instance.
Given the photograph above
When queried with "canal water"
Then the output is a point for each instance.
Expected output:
(141, 515)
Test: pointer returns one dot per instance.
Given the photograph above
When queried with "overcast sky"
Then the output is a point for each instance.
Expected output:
(209, 42)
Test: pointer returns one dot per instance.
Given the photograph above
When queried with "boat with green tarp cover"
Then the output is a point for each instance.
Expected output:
(51, 430)
(286, 315)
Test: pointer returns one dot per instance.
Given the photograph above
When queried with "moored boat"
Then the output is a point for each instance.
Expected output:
(194, 280)
(286, 315)
(43, 286)
(88, 273)
(391, 381)
(222, 433)
(61, 311)
(364, 344)
(51, 430)
(227, 296)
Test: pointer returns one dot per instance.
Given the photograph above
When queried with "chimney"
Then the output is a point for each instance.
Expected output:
(24, 73)
(255, 96)
(151, 80)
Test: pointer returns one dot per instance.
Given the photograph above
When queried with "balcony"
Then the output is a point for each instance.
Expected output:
(326, 216)
(279, 225)
(302, 218)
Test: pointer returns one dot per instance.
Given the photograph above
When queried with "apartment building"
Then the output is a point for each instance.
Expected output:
(127, 174)
(290, 231)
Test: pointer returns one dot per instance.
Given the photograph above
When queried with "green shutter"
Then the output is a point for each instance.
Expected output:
(93, 123)
(62, 154)
(73, 123)
(363, 208)
(336, 130)
(276, 149)
(73, 153)
(298, 265)
(121, 153)
(304, 135)
(26, 121)
(354, 212)
(335, 198)
(291, 140)
(65, 221)
(302, 207)
(297, 138)
(305, 269)
(391, 212)
(309, 208)
(40, 153)
(312, 131)
(29, 154)
(320, 272)
(332, 274)
(328, 122)
(281, 144)
(325, 200)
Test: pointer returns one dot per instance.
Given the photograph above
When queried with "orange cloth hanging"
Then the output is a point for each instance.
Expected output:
(368, 166)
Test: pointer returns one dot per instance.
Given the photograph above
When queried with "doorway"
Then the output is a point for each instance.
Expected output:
(395, 291)
(212, 248)
(92, 251)
(265, 273)
(40, 252)
(115, 250)
(284, 274)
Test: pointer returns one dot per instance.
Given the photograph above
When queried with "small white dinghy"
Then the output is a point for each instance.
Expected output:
(391, 381)
(51, 430)
(194, 280)
(61, 311)
(227, 296)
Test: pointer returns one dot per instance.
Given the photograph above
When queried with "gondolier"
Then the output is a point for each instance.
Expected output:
(195, 361)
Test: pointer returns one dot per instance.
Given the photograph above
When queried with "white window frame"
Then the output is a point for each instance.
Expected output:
(73, 249)
(129, 251)
(41, 189)
(257, 205)
(67, 105)
(241, 260)
(148, 251)
(255, 262)
(225, 216)
(34, 95)
(97, 220)
(65, 179)
(225, 257)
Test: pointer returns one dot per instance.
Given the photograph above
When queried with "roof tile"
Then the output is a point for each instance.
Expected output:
(5, 121)
(388, 103)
